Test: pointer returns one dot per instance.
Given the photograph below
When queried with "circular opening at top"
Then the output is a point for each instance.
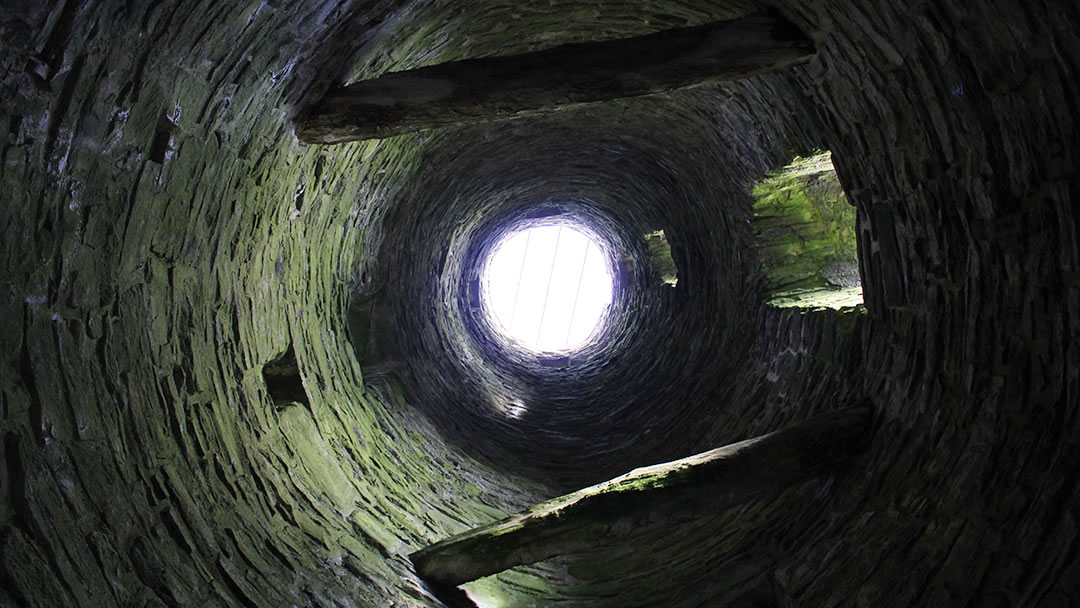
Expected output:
(548, 288)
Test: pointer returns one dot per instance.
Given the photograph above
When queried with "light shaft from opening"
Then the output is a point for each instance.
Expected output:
(546, 288)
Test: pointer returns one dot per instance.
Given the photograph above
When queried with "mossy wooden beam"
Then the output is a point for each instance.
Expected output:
(660, 495)
(484, 89)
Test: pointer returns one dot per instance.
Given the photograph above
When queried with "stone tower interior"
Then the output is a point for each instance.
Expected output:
(243, 370)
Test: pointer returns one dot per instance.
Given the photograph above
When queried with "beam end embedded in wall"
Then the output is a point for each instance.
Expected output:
(491, 88)
(650, 497)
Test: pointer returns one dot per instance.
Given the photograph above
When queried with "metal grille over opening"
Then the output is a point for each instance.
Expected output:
(548, 287)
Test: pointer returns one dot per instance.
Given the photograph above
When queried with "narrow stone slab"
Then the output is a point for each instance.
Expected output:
(658, 495)
(484, 89)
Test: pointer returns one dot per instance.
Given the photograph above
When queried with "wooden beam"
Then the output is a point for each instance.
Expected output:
(660, 495)
(485, 89)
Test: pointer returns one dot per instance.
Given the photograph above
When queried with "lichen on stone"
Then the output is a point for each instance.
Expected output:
(804, 231)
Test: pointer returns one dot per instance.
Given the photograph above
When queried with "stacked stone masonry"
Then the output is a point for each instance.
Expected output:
(164, 236)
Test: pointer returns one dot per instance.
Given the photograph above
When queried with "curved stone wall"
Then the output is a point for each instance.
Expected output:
(583, 417)
(164, 237)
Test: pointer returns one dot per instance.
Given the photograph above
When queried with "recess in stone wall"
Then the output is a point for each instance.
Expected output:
(804, 231)
(660, 256)
(283, 380)
(371, 333)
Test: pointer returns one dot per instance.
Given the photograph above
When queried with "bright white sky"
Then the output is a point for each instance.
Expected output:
(547, 287)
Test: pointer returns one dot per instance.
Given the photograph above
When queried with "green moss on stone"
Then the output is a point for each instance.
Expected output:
(804, 228)
(660, 255)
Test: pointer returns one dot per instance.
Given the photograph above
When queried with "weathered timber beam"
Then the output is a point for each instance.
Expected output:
(658, 495)
(478, 90)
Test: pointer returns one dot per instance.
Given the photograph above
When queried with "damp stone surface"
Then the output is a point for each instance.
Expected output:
(241, 370)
